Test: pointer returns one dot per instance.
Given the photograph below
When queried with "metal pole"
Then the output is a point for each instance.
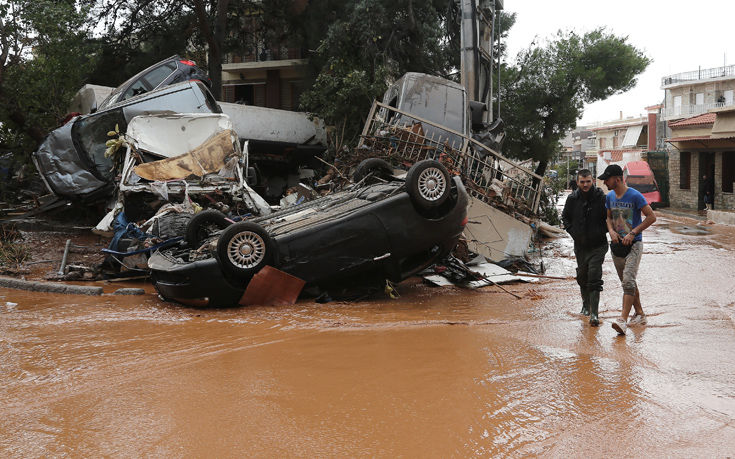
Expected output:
(500, 55)
(63, 259)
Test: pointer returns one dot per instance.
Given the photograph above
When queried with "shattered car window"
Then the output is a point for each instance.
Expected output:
(91, 134)
(139, 87)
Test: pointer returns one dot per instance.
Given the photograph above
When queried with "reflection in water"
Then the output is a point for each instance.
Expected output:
(435, 373)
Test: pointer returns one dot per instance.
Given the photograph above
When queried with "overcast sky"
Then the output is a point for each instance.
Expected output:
(679, 36)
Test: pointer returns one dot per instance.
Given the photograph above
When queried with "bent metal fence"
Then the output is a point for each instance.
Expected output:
(397, 135)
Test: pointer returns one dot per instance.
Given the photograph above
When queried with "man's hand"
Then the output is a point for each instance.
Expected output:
(629, 238)
(614, 236)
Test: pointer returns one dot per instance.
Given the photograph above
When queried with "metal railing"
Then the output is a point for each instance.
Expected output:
(685, 111)
(391, 133)
(701, 74)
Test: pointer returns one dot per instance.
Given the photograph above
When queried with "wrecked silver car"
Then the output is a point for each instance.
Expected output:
(367, 234)
(72, 160)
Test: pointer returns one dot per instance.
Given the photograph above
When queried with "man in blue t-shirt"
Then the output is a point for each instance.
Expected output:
(624, 207)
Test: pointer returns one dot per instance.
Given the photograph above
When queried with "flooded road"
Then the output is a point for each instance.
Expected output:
(437, 373)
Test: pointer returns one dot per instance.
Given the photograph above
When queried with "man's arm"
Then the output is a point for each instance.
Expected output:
(566, 214)
(649, 220)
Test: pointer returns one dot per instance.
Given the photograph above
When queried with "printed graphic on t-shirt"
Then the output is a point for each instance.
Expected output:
(622, 218)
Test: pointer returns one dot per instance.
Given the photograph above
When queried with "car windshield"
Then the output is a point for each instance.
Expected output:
(642, 183)
(90, 133)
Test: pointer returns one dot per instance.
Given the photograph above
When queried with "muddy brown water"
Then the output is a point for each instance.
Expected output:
(435, 373)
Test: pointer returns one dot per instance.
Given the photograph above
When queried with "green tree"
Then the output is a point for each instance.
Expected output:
(361, 45)
(544, 92)
(45, 53)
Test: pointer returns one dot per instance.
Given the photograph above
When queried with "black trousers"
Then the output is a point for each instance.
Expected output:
(589, 273)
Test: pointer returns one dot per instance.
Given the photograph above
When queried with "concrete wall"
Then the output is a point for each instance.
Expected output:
(720, 216)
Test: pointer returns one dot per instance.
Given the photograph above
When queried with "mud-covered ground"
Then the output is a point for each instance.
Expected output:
(437, 372)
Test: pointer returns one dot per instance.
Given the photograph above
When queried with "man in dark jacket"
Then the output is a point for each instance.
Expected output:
(584, 218)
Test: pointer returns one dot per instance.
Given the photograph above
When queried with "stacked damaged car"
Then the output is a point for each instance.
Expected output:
(176, 176)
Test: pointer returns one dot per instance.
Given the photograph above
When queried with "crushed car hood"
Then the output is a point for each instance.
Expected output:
(207, 159)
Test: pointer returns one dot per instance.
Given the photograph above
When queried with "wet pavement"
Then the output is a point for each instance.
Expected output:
(436, 373)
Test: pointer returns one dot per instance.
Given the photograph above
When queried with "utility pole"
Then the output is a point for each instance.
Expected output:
(478, 32)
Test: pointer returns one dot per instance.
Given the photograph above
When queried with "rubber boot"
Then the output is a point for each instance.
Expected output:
(585, 302)
(594, 302)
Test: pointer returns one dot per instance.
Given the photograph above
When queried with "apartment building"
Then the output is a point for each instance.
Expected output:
(267, 72)
(584, 148)
(619, 141)
(700, 112)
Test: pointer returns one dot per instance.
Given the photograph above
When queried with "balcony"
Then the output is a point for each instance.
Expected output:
(689, 110)
(697, 75)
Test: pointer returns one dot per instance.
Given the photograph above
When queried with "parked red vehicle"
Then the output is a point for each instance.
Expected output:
(638, 175)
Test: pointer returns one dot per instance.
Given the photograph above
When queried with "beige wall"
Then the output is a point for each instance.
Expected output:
(691, 131)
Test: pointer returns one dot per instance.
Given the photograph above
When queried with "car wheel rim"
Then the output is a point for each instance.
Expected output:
(431, 184)
(246, 250)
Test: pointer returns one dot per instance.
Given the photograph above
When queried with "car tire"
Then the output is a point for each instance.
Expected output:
(203, 225)
(428, 184)
(244, 248)
(375, 166)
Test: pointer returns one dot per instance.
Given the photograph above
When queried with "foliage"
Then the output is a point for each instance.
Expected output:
(545, 90)
(115, 143)
(12, 251)
(44, 56)
(361, 45)
(547, 205)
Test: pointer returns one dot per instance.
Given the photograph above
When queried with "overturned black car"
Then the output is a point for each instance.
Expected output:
(389, 230)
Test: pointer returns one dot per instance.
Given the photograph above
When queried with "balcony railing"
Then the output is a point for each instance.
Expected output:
(701, 74)
(686, 111)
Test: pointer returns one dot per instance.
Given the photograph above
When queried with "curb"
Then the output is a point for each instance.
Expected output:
(49, 287)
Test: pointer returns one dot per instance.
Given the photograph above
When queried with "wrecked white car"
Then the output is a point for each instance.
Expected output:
(188, 161)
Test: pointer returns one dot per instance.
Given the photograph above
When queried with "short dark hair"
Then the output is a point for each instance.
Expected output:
(584, 173)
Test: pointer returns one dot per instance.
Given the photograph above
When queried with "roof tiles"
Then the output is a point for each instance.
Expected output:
(704, 118)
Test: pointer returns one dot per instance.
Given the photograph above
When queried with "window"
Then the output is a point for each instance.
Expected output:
(150, 80)
(728, 171)
(156, 76)
(728, 97)
(685, 169)
(677, 105)
(699, 99)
